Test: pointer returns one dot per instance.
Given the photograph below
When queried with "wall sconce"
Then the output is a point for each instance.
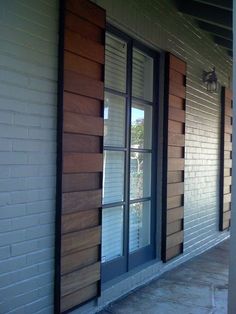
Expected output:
(210, 79)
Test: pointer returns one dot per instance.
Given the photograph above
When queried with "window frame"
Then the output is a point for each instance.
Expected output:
(130, 260)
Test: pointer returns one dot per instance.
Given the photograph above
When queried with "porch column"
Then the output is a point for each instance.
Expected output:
(232, 265)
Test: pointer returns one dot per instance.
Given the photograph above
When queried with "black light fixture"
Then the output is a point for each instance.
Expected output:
(210, 79)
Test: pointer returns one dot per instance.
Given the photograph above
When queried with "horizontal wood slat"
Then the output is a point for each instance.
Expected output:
(79, 220)
(226, 159)
(79, 25)
(83, 66)
(77, 260)
(178, 65)
(78, 297)
(80, 143)
(83, 200)
(84, 47)
(80, 278)
(88, 11)
(81, 127)
(82, 105)
(83, 85)
(76, 123)
(81, 182)
(80, 240)
(78, 162)
(175, 147)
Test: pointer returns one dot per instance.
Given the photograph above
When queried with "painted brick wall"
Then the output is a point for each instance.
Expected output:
(28, 87)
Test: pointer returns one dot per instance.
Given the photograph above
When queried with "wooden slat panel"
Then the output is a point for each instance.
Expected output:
(176, 114)
(177, 89)
(83, 66)
(226, 207)
(174, 251)
(84, 200)
(79, 143)
(84, 47)
(176, 201)
(79, 260)
(175, 189)
(176, 127)
(175, 239)
(174, 227)
(83, 85)
(80, 220)
(177, 77)
(88, 11)
(80, 278)
(176, 139)
(175, 176)
(81, 240)
(81, 182)
(178, 65)
(76, 123)
(79, 296)
(176, 102)
(175, 214)
(175, 164)
(76, 162)
(82, 104)
(175, 152)
(80, 25)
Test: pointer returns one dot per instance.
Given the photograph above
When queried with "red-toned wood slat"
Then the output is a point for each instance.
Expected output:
(81, 164)
(173, 210)
(226, 158)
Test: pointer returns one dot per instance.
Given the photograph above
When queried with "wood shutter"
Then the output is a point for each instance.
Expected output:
(80, 161)
(174, 125)
(226, 158)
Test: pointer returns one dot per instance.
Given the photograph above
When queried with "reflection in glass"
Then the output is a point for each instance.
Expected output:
(142, 78)
(114, 120)
(141, 126)
(115, 63)
(112, 233)
(113, 177)
(140, 175)
(139, 228)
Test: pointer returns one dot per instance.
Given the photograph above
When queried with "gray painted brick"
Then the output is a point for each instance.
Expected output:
(4, 252)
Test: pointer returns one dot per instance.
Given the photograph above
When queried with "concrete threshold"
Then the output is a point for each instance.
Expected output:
(199, 286)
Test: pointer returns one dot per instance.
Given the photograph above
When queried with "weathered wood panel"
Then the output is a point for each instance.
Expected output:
(174, 158)
(81, 164)
(226, 159)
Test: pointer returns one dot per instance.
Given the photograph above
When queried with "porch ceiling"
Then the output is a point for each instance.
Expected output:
(214, 17)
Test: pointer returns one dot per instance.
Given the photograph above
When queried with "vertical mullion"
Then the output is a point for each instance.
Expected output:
(128, 140)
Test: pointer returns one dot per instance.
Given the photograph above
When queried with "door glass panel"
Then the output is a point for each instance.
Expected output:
(114, 120)
(141, 126)
(142, 84)
(140, 175)
(113, 177)
(139, 228)
(112, 233)
(115, 63)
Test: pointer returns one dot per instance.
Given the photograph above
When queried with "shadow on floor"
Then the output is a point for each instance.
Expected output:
(199, 286)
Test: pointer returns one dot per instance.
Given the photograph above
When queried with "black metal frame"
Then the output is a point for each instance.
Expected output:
(60, 89)
(121, 265)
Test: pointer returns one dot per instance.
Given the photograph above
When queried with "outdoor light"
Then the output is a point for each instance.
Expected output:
(210, 79)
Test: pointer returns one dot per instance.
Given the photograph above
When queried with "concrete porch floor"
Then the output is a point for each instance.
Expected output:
(199, 286)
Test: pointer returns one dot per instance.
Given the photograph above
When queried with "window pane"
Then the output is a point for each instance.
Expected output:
(140, 175)
(142, 85)
(115, 63)
(139, 228)
(141, 126)
(114, 117)
(113, 177)
(112, 233)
